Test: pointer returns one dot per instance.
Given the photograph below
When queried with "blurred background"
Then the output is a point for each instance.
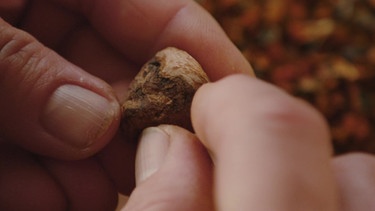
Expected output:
(322, 51)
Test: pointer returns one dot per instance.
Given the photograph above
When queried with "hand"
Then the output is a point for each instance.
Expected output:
(270, 151)
(63, 65)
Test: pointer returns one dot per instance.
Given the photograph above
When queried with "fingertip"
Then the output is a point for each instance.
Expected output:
(81, 118)
(174, 172)
(215, 98)
(240, 99)
(261, 140)
(50, 106)
(152, 148)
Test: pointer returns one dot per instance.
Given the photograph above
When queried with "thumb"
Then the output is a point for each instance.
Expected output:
(48, 105)
(173, 172)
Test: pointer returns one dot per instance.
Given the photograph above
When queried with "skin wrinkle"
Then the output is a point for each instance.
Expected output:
(11, 42)
(16, 52)
(74, 30)
(271, 133)
(35, 66)
(111, 29)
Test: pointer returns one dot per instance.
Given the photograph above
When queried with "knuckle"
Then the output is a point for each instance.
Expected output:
(285, 111)
(276, 110)
(257, 100)
(21, 57)
(13, 45)
(291, 115)
(355, 162)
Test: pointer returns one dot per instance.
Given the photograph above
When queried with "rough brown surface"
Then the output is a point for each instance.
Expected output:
(162, 92)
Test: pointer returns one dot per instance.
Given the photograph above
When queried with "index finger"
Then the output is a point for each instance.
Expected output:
(139, 28)
(271, 152)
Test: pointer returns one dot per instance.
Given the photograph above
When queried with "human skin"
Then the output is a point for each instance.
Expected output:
(110, 40)
(98, 46)
(267, 151)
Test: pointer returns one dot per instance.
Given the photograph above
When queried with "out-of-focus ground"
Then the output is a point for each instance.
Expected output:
(322, 51)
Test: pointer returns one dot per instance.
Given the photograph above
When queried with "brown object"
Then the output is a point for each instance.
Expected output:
(162, 92)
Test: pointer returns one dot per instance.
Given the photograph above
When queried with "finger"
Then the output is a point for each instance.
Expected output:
(355, 174)
(118, 159)
(11, 10)
(50, 106)
(89, 51)
(25, 185)
(173, 172)
(85, 184)
(49, 23)
(73, 38)
(140, 28)
(270, 150)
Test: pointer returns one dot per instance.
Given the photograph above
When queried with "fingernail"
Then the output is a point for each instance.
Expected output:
(78, 116)
(152, 149)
